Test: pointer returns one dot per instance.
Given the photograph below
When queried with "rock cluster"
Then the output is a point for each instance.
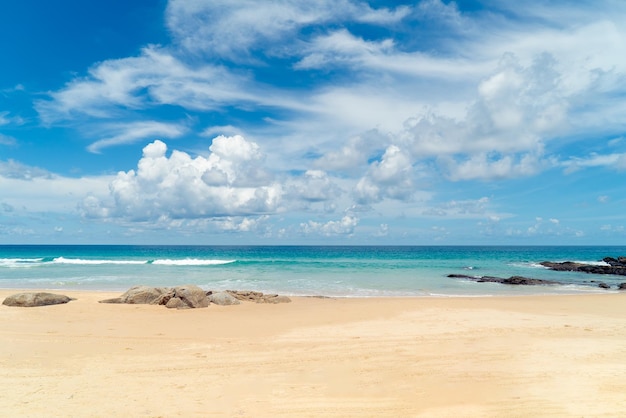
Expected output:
(513, 280)
(28, 300)
(615, 266)
(186, 297)
(258, 297)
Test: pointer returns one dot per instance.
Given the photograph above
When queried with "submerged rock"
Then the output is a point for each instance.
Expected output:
(513, 280)
(28, 300)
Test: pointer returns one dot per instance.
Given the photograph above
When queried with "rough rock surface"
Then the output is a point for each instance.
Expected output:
(183, 297)
(140, 295)
(191, 296)
(35, 299)
(615, 266)
(258, 297)
(513, 280)
(223, 298)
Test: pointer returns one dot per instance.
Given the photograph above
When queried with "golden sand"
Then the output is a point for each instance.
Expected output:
(397, 357)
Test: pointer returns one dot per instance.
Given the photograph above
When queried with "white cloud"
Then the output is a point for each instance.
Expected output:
(344, 226)
(232, 28)
(7, 140)
(390, 177)
(127, 133)
(615, 161)
(229, 182)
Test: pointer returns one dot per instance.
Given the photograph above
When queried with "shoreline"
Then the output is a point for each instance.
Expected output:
(543, 355)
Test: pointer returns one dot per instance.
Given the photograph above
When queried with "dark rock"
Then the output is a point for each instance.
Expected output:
(513, 280)
(616, 266)
(29, 300)
(622, 286)
(603, 285)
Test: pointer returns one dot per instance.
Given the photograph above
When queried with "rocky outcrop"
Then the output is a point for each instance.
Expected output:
(29, 300)
(180, 297)
(140, 295)
(615, 266)
(513, 280)
(258, 297)
(190, 296)
(223, 299)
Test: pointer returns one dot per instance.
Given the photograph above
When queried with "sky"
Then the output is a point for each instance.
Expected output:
(478, 122)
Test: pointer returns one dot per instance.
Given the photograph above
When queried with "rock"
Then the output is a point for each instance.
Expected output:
(274, 299)
(513, 280)
(140, 295)
(246, 295)
(190, 296)
(28, 300)
(223, 299)
(616, 266)
(603, 285)
(258, 297)
(176, 303)
(622, 286)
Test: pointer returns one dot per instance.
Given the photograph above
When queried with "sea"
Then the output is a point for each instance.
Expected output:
(334, 271)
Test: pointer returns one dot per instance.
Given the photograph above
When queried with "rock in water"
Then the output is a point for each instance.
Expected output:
(35, 299)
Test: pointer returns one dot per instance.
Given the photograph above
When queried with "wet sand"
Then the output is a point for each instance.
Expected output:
(384, 357)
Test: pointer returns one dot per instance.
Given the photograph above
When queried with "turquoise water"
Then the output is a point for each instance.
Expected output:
(351, 271)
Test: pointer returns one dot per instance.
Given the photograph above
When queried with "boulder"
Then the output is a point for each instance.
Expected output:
(140, 295)
(28, 300)
(603, 285)
(622, 286)
(191, 295)
(223, 298)
(176, 303)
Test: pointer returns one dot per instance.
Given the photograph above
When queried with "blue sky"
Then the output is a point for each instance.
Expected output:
(317, 122)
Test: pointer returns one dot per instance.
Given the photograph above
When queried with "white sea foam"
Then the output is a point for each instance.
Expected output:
(63, 260)
(19, 262)
(191, 262)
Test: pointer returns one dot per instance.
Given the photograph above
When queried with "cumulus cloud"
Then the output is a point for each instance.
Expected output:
(314, 186)
(344, 226)
(229, 182)
(390, 177)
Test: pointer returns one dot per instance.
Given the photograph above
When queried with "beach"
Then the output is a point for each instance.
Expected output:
(454, 356)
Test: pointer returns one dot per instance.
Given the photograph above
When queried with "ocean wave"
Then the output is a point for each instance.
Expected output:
(63, 260)
(191, 262)
(20, 262)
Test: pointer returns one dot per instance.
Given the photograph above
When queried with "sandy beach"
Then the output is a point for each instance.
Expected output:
(397, 357)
